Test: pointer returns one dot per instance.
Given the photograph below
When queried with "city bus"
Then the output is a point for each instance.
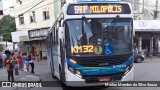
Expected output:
(91, 43)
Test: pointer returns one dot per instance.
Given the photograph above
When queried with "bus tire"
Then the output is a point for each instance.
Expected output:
(61, 81)
(63, 85)
(53, 76)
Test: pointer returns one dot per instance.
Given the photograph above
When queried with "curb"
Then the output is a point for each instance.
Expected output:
(34, 78)
(23, 76)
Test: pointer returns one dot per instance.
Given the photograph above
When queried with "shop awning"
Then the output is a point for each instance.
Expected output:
(146, 25)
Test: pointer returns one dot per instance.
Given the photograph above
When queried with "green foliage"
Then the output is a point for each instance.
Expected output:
(7, 25)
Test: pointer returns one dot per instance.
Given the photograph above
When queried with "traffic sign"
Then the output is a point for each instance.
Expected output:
(108, 50)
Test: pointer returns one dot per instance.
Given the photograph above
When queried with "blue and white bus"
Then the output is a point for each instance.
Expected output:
(91, 43)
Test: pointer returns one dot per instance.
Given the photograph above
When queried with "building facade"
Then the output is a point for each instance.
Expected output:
(146, 24)
(147, 27)
(1, 15)
(147, 34)
(1, 9)
(151, 10)
(33, 19)
(8, 7)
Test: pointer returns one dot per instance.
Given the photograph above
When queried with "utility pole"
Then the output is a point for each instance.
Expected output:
(6, 45)
(14, 46)
(143, 7)
(155, 12)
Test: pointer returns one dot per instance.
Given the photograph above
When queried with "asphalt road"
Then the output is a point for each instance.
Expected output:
(149, 70)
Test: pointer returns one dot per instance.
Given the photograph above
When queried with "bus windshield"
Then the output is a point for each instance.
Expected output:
(100, 36)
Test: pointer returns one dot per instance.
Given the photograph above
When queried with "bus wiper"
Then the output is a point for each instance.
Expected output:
(84, 20)
(115, 20)
(83, 38)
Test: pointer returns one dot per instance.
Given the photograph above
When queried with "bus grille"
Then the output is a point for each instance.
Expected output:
(93, 79)
(102, 60)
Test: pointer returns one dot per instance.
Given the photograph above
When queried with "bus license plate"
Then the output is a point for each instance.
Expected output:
(102, 79)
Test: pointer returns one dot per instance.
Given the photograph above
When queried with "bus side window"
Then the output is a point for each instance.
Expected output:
(54, 35)
(49, 41)
(57, 36)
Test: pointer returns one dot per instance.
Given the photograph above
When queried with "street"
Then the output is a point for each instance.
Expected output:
(145, 71)
(94, 39)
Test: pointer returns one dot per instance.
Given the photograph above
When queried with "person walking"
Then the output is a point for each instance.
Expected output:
(30, 59)
(1, 61)
(3, 58)
(25, 62)
(157, 50)
(9, 65)
(15, 64)
(20, 63)
(151, 52)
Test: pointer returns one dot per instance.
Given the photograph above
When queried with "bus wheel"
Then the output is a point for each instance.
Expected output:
(53, 76)
(63, 85)
(61, 81)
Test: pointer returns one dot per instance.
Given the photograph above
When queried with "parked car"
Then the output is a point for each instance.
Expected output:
(138, 57)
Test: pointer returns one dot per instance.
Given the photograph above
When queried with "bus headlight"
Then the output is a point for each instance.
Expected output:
(127, 70)
(76, 72)
(71, 69)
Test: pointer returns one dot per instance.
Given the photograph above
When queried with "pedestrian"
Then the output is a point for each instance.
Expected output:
(37, 56)
(9, 65)
(151, 52)
(15, 64)
(3, 58)
(136, 50)
(20, 63)
(157, 50)
(1, 61)
(26, 62)
(30, 58)
(147, 51)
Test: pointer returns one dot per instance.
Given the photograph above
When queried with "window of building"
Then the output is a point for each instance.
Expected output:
(32, 17)
(1, 12)
(46, 14)
(62, 2)
(19, 1)
(136, 5)
(21, 19)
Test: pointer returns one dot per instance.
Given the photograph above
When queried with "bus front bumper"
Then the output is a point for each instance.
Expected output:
(75, 81)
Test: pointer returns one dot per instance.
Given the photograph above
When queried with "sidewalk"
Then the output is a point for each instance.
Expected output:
(154, 58)
(23, 76)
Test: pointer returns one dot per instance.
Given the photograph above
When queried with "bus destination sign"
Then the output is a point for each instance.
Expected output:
(109, 8)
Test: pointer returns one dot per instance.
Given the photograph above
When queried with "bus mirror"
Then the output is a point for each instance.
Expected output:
(61, 32)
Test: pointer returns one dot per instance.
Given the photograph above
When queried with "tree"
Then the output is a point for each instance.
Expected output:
(7, 25)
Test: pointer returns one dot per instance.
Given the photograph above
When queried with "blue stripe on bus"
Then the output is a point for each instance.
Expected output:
(100, 70)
